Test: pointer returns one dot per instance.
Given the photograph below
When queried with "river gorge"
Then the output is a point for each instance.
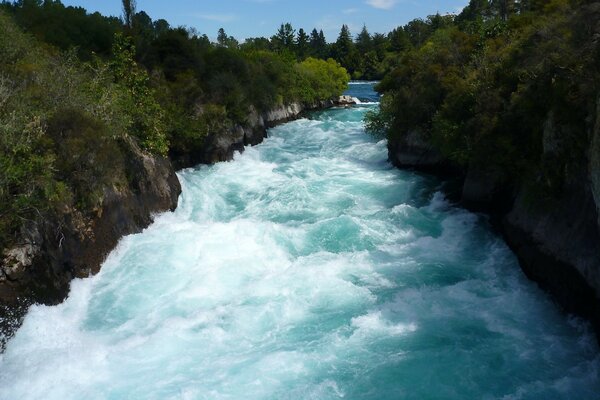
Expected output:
(306, 268)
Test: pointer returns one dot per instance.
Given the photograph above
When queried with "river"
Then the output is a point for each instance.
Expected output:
(307, 268)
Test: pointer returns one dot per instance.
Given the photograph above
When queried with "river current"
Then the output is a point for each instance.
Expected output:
(307, 268)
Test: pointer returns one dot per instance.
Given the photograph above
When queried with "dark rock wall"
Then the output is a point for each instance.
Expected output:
(66, 245)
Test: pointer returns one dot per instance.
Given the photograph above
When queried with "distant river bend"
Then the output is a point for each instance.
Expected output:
(308, 268)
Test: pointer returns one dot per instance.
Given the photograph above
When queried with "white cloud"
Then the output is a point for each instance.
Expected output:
(217, 17)
(382, 4)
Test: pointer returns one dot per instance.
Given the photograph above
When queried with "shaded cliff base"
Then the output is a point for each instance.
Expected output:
(557, 242)
(561, 280)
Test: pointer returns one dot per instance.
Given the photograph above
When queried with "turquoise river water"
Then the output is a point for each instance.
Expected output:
(308, 268)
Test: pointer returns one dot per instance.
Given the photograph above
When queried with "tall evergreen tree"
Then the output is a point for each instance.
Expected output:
(364, 41)
(318, 44)
(302, 44)
(343, 45)
(226, 41)
(345, 52)
(222, 38)
(503, 8)
(284, 38)
(128, 12)
(380, 45)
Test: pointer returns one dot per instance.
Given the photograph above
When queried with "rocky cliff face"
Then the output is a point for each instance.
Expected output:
(414, 150)
(557, 241)
(222, 146)
(62, 246)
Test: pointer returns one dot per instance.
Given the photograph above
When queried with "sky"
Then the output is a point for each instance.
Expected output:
(253, 18)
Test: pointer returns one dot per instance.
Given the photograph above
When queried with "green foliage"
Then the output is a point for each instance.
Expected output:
(302, 44)
(377, 122)
(509, 85)
(146, 115)
(88, 172)
(65, 27)
(226, 41)
(36, 88)
(324, 79)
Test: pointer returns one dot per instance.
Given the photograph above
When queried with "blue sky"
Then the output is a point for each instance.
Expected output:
(249, 18)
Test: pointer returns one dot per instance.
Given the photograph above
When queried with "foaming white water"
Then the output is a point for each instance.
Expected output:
(363, 83)
(360, 102)
(308, 268)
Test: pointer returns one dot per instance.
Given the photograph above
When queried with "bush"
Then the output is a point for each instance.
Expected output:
(322, 79)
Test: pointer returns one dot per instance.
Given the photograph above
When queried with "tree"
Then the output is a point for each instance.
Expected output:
(399, 41)
(161, 26)
(364, 41)
(345, 52)
(344, 44)
(417, 31)
(302, 44)
(370, 66)
(257, 43)
(284, 38)
(326, 79)
(222, 38)
(503, 8)
(147, 117)
(128, 13)
(318, 44)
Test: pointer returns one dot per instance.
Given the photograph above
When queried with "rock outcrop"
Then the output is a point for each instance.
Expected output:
(61, 246)
(222, 146)
(414, 150)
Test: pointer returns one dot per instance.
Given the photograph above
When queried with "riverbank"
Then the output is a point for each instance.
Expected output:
(71, 245)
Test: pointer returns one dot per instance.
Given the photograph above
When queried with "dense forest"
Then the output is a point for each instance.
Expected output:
(365, 55)
(75, 88)
(504, 86)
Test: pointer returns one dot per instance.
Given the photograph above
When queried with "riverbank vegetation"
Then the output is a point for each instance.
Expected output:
(509, 86)
(77, 88)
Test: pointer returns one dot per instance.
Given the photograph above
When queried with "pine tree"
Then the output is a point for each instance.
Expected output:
(284, 38)
(364, 41)
(302, 44)
(345, 52)
(318, 44)
(343, 44)
(222, 38)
